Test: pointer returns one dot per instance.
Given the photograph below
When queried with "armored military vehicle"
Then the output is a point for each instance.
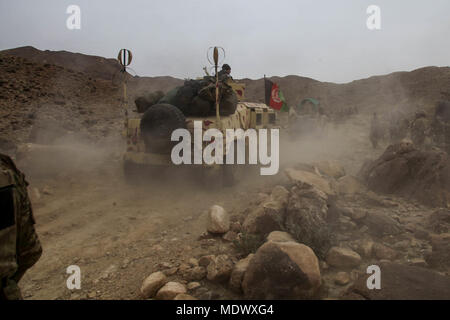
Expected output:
(148, 136)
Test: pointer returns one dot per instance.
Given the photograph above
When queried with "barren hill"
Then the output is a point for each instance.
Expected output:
(419, 88)
(77, 92)
(415, 89)
(34, 95)
(93, 66)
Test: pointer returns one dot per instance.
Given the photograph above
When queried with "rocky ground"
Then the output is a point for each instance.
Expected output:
(309, 232)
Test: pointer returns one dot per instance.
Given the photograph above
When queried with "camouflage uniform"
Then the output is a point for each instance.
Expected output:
(19, 244)
(223, 74)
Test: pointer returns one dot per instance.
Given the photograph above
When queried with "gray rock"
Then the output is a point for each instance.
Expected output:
(218, 220)
(184, 296)
(206, 260)
(264, 219)
(230, 236)
(381, 224)
(358, 214)
(306, 219)
(170, 290)
(152, 284)
(193, 285)
(282, 270)
(406, 170)
(305, 179)
(343, 258)
(418, 262)
(439, 221)
(348, 185)
(269, 215)
(440, 254)
(401, 282)
(219, 269)
(383, 252)
(342, 278)
(237, 275)
(195, 273)
(365, 248)
(280, 236)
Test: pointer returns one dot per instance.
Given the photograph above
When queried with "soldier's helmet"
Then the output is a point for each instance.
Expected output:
(226, 67)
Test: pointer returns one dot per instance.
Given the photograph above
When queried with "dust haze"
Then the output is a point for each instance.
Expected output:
(364, 176)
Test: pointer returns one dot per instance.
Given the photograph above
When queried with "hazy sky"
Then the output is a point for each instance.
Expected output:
(325, 40)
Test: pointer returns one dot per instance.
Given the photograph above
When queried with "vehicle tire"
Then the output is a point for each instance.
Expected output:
(200, 108)
(146, 101)
(157, 125)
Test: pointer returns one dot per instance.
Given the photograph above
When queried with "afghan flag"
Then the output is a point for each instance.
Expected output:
(274, 97)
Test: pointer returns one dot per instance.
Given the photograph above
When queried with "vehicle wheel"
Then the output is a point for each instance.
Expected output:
(157, 125)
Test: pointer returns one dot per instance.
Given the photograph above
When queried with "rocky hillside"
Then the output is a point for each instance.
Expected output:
(419, 88)
(77, 92)
(35, 95)
(415, 89)
(93, 66)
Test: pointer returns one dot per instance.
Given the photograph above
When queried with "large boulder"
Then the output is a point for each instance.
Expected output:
(184, 296)
(330, 168)
(381, 224)
(306, 179)
(170, 290)
(401, 282)
(407, 171)
(282, 270)
(279, 195)
(306, 216)
(264, 219)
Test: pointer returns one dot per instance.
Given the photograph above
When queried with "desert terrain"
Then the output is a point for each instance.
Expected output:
(341, 202)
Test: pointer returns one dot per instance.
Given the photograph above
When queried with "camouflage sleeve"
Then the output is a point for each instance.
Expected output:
(29, 248)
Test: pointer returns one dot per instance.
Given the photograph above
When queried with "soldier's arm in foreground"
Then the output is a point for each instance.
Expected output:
(29, 247)
(25, 244)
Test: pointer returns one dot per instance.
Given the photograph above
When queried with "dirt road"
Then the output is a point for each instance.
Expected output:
(118, 233)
